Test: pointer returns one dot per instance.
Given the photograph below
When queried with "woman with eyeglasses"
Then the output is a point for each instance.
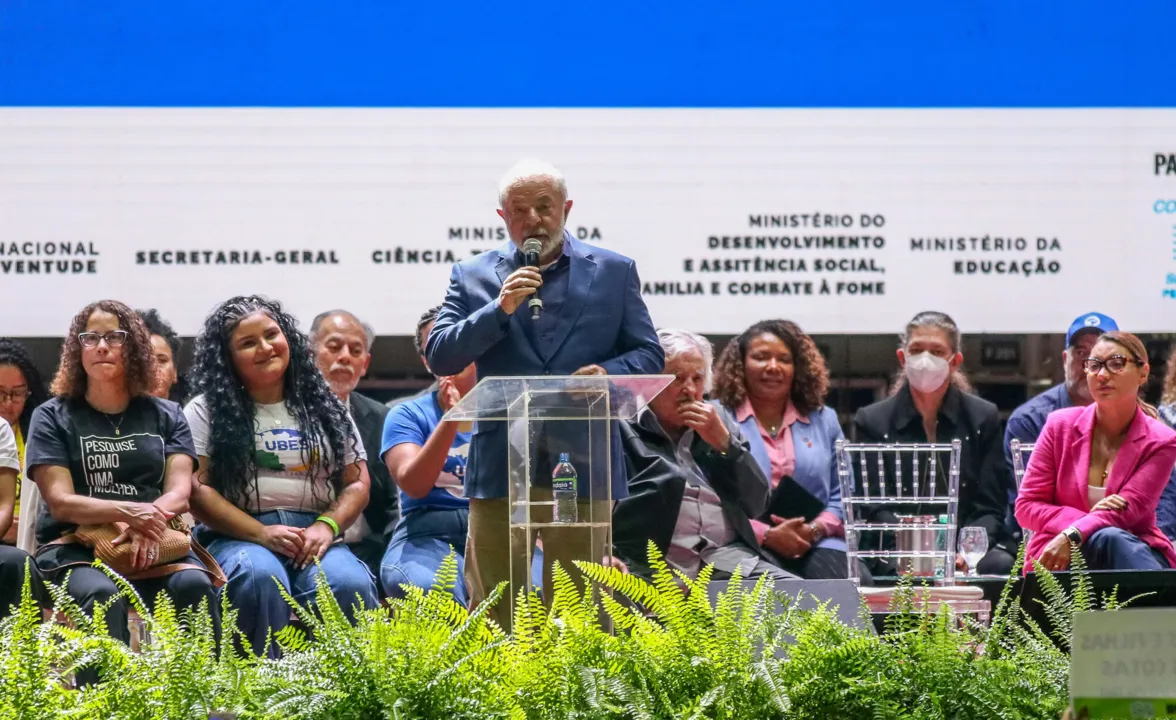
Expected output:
(14, 563)
(1096, 473)
(283, 476)
(21, 391)
(105, 451)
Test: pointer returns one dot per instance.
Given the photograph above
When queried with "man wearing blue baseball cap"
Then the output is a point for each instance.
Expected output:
(1027, 420)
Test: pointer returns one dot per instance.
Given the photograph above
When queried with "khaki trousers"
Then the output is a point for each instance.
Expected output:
(488, 548)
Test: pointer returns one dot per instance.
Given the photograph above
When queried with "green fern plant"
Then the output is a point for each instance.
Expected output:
(423, 656)
(620, 647)
(679, 656)
(177, 673)
(32, 681)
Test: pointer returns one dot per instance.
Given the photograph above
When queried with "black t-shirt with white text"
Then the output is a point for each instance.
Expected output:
(110, 457)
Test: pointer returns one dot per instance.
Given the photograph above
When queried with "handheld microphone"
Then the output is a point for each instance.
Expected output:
(531, 248)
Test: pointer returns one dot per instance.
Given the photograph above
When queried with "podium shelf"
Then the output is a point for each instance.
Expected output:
(590, 525)
(554, 398)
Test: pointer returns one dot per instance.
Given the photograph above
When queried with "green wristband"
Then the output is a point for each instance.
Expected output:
(329, 523)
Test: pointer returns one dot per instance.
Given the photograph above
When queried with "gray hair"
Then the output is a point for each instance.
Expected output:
(937, 320)
(675, 342)
(530, 169)
(316, 325)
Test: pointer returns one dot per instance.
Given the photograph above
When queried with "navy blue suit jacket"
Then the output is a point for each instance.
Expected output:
(603, 322)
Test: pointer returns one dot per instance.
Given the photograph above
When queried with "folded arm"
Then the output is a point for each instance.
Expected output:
(66, 506)
(1141, 491)
(177, 484)
(1036, 508)
(738, 475)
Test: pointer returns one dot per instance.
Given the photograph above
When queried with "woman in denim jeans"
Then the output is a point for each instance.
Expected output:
(282, 479)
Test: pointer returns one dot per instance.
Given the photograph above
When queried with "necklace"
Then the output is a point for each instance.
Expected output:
(121, 415)
(272, 419)
(1110, 449)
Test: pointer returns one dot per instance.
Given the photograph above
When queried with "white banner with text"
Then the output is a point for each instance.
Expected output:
(846, 221)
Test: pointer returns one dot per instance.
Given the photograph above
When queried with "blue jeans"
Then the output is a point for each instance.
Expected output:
(421, 540)
(252, 570)
(1115, 549)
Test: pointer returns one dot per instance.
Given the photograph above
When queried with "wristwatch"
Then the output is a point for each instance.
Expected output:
(818, 531)
(1073, 534)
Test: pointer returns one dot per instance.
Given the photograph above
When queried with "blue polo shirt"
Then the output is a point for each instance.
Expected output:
(1026, 422)
(413, 421)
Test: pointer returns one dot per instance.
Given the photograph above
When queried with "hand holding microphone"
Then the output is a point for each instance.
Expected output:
(532, 247)
(524, 282)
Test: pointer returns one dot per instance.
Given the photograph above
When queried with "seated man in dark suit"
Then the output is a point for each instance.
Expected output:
(342, 350)
(693, 484)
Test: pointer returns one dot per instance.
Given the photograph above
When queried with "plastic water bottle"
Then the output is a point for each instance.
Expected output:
(563, 491)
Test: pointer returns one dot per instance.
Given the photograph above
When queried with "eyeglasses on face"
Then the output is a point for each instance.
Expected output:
(16, 395)
(1115, 364)
(114, 338)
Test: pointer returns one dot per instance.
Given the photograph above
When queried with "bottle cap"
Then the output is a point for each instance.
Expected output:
(563, 457)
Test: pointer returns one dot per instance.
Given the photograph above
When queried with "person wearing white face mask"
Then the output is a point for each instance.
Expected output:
(933, 403)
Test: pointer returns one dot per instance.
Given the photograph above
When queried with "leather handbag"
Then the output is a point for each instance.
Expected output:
(175, 546)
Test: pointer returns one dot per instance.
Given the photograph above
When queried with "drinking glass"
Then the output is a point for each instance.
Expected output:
(973, 546)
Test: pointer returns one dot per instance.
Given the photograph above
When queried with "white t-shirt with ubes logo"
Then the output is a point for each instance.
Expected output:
(282, 458)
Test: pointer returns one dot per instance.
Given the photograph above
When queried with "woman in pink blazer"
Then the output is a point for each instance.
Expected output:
(1097, 472)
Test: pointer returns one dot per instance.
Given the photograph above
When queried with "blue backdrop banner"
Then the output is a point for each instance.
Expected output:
(688, 53)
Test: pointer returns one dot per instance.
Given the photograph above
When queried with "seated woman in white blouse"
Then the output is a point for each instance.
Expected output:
(282, 477)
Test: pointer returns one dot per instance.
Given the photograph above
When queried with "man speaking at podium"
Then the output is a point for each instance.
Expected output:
(591, 321)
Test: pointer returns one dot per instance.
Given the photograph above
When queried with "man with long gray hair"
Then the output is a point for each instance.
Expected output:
(693, 484)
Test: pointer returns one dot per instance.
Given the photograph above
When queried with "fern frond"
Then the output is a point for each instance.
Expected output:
(447, 576)
(633, 588)
(566, 597)
(1057, 605)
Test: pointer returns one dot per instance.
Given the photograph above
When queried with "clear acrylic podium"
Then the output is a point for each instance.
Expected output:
(545, 417)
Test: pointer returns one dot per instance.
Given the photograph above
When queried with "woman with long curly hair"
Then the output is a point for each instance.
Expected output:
(282, 476)
(773, 380)
(104, 451)
(21, 392)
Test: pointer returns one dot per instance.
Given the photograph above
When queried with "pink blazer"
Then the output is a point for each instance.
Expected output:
(1053, 493)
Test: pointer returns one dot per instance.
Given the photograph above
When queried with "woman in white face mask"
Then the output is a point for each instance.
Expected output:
(929, 356)
(933, 403)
